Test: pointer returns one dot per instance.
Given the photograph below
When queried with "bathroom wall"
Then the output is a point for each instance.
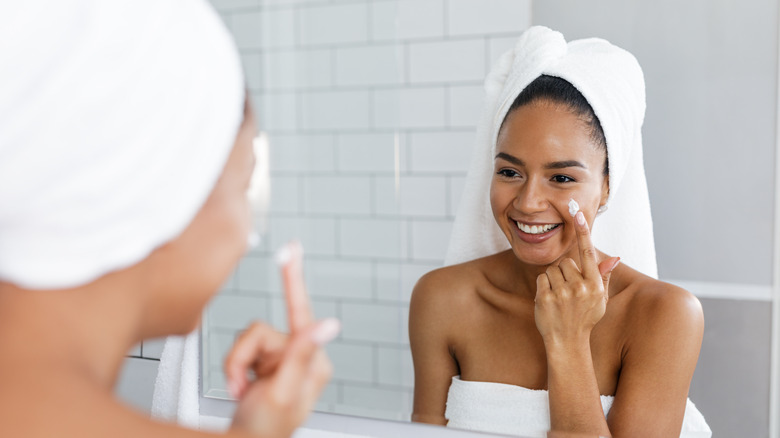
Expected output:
(371, 108)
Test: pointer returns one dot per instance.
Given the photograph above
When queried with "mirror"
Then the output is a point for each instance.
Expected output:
(371, 108)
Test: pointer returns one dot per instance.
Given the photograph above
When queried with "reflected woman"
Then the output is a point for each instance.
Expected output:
(536, 328)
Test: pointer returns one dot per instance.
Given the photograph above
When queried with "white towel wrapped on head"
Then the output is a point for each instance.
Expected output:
(611, 80)
(116, 119)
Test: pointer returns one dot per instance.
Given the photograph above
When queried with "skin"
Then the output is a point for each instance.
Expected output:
(65, 348)
(556, 315)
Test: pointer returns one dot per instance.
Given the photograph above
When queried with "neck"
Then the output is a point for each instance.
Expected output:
(88, 329)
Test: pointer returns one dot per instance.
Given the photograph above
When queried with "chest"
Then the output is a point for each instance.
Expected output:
(506, 347)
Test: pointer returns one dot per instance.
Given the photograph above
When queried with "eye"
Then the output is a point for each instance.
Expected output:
(507, 173)
(562, 179)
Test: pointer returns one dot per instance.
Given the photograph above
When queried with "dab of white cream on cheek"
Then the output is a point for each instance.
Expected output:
(573, 207)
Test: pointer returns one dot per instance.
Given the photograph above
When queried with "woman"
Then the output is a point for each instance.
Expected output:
(125, 159)
(534, 305)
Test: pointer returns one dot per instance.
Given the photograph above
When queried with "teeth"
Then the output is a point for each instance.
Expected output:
(535, 229)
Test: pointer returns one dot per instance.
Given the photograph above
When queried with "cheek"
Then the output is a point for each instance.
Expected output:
(229, 232)
(501, 197)
(238, 225)
(588, 200)
(588, 197)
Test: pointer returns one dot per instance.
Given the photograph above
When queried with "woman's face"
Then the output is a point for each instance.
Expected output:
(544, 157)
(190, 269)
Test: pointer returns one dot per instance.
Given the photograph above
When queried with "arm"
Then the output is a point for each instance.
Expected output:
(575, 402)
(569, 303)
(662, 347)
(434, 365)
(658, 365)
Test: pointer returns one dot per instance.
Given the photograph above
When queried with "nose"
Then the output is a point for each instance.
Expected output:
(530, 198)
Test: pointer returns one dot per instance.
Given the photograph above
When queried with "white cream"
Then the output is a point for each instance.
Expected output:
(573, 207)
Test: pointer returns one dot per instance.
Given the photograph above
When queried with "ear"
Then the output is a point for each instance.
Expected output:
(604, 191)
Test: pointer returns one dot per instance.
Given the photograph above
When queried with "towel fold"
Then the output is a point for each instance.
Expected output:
(176, 397)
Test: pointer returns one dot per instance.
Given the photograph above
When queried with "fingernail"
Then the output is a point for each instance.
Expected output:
(283, 255)
(253, 239)
(286, 253)
(326, 331)
(297, 248)
(580, 218)
(617, 262)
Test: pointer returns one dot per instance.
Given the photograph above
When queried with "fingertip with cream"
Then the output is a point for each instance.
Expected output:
(326, 331)
(283, 255)
(286, 253)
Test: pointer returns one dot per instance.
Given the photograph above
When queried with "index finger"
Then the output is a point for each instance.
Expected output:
(299, 313)
(588, 256)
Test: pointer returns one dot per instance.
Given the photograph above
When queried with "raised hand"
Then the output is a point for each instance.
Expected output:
(569, 300)
(289, 370)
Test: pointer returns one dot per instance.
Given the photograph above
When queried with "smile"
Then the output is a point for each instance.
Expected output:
(536, 229)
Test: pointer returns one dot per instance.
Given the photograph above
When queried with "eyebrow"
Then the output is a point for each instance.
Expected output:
(554, 165)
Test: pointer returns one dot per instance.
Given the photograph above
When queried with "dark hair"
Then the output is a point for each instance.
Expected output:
(557, 90)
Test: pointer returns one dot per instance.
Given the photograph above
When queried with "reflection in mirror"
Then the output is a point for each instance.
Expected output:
(587, 326)
(371, 107)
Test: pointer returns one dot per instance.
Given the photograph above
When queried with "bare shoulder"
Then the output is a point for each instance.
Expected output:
(444, 296)
(657, 307)
(451, 285)
(664, 300)
(72, 404)
(73, 408)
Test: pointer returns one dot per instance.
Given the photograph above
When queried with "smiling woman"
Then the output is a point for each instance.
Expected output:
(548, 332)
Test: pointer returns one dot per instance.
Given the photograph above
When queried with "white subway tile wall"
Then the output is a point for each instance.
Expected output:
(371, 108)
(448, 61)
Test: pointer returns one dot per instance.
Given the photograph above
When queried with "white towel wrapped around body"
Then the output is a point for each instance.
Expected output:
(514, 410)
